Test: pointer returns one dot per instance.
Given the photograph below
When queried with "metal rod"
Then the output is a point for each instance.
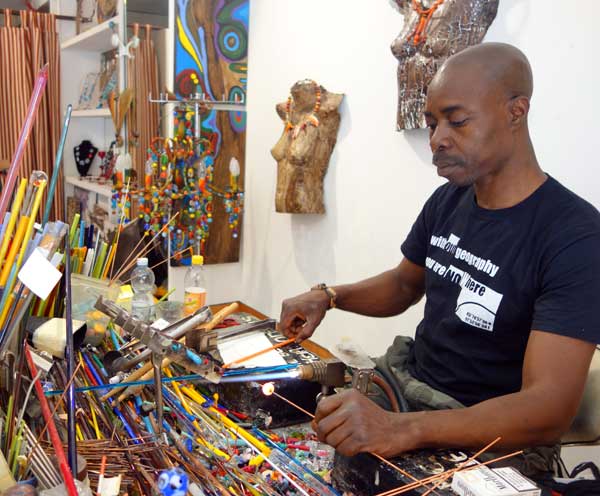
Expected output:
(158, 396)
(198, 99)
(55, 438)
(57, 164)
(70, 354)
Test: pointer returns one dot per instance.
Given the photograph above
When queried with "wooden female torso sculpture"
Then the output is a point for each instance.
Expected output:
(433, 31)
(302, 153)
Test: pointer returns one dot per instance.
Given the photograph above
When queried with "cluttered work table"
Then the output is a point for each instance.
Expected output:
(216, 403)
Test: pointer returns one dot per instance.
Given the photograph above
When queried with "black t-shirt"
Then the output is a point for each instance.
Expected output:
(492, 276)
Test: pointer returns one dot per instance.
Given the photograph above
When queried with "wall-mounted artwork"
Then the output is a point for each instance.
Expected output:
(433, 31)
(311, 120)
(211, 55)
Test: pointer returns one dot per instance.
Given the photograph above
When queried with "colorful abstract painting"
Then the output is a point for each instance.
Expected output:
(211, 55)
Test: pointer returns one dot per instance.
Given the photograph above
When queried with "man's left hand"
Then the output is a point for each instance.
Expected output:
(352, 424)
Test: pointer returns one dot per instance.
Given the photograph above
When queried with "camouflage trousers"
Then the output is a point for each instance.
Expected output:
(417, 396)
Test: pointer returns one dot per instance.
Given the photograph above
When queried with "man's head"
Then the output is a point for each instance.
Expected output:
(477, 106)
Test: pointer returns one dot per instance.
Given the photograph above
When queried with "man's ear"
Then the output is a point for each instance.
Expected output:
(518, 108)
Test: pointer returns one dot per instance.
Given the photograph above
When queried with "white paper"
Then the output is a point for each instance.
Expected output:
(39, 275)
(109, 486)
(233, 349)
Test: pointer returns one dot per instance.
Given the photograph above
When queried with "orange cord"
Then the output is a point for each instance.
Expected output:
(425, 16)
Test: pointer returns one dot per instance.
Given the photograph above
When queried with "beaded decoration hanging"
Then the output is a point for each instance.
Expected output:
(312, 119)
(234, 198)
(179, 178)
(419, 35)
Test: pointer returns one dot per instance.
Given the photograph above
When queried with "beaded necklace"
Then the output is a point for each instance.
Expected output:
(425, 15)
(312, 119)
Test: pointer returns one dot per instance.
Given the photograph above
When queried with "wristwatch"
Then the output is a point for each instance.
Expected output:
(328, 291)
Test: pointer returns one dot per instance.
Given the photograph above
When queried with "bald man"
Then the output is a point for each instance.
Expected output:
(509, 262)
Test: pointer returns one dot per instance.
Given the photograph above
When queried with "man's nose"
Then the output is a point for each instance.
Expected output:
(439, 140)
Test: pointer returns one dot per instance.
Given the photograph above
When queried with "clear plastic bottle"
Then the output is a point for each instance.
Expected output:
(142, 283)
(194, 286)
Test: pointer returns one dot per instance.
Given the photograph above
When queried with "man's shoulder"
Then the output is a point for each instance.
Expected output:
(567, 211)
(568, 223)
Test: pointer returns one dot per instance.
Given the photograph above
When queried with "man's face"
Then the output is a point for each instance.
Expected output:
(469, 127)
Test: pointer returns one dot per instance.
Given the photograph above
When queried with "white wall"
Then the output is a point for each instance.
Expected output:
(378, 178)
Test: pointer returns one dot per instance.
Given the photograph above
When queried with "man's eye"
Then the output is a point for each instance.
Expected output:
(458, 123)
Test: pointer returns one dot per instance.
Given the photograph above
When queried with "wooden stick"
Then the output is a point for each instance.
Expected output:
(471, 459)
(128, 259)
(410, 487)
(120, 227)
(146, 249)
(258, 353)
(60, 400)
(297, 407)
(189, 248)
(101, 475)
(441, 476)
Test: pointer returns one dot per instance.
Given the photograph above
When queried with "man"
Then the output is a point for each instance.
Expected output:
(509, 262)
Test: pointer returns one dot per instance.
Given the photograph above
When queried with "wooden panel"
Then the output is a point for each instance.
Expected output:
(211, 59)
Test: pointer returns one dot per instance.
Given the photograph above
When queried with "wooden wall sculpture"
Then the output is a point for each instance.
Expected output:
(311, 122)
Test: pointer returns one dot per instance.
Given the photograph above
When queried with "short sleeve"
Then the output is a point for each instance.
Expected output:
(415, 245)
(569, 300)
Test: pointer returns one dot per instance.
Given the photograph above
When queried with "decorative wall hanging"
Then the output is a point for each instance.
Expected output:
(211, 48)
(89, 92)
(84, 154)
(433, 31)
(180, 178)
(311, 121)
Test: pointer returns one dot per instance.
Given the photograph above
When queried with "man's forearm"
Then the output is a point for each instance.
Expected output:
(384, 295)
(520, 419)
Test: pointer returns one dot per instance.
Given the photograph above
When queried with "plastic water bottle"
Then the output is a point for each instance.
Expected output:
(142, 283)
(194, 286)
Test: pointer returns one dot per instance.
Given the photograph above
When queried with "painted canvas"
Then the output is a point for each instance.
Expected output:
(211, 56)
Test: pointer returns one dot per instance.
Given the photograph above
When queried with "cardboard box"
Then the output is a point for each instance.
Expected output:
(483, 481)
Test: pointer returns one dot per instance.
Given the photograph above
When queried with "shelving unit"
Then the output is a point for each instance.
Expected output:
(96, 39)
(104, 113)
(81, 54)
(103, 189)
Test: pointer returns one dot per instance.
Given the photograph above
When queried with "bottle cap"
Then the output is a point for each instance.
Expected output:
(142, 262)
(197, 260)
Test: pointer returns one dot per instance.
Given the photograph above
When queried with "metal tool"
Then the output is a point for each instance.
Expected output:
(204, 341)
(175, 331)
(161, 346)
(363, 374)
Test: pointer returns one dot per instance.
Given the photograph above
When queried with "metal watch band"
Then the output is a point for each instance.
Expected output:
(328, 291)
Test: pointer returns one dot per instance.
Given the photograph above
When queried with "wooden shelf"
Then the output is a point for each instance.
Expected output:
(96, 39)
(90, 185)
(41, 5)
(104, 112)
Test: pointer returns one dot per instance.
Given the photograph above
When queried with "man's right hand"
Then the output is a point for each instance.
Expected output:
(301, 314)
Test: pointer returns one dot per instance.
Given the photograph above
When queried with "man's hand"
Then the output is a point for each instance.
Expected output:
(301, 315)
(352, 423)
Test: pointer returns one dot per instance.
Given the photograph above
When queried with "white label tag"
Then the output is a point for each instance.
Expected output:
(39, 275)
